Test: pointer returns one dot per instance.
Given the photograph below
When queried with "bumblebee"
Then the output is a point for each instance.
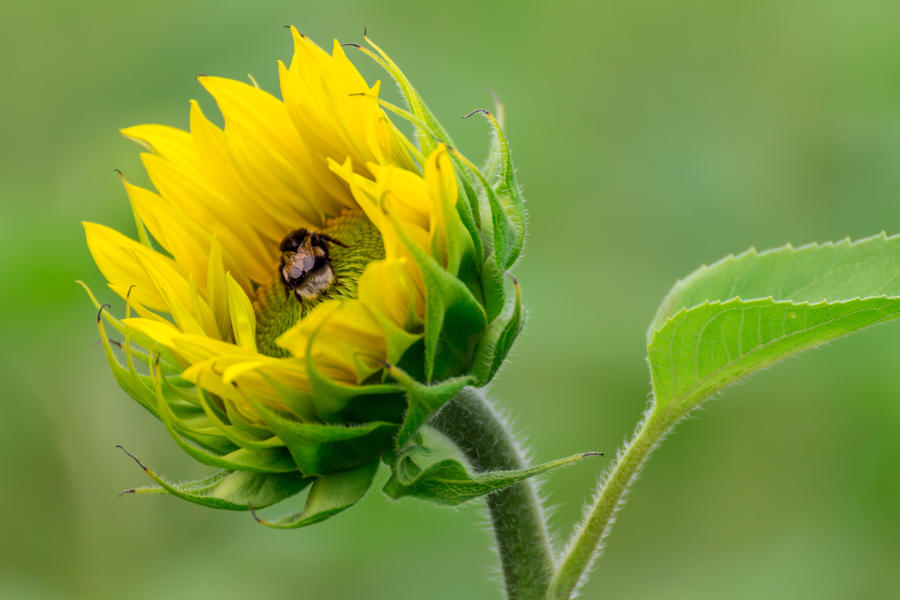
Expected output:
(305, 266)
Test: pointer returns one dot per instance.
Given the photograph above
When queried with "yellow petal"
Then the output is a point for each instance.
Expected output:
(216, 291)
(170, 143)
(270, 156)
(442, 191)
(243, 319)
(193, 174)
(332, 108)
(187, 242)
(163, 333)
(116, 256)
(191, 313)
(344, 337)
(389, 290)
(387, 287)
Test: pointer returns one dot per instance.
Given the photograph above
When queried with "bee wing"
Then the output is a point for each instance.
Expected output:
(302, 264)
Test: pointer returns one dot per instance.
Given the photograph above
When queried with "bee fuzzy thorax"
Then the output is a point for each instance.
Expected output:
(314, 266)
(305, 266)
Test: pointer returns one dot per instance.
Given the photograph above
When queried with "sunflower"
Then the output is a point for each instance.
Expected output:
(281, 384)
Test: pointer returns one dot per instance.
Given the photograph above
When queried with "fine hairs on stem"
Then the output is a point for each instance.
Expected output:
(516, 514)
(586, 543)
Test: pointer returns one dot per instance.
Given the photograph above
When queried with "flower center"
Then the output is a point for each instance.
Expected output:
(278, 308)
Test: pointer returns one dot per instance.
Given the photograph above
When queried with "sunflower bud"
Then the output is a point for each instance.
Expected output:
(308, 286)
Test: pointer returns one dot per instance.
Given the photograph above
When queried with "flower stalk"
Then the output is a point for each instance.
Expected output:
(517, 516)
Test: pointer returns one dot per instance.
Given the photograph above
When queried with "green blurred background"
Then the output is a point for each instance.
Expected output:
(651, 137)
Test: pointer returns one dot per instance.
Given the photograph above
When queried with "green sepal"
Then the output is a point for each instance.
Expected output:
(398, 339)
(469, 273)
(431, 132)
(301, 403)
(129, 380)
(338, 402)
(191, 428)
(236, 435)
(318, 449)
(511, 331)
(497, 341)
(185, 414)
(329, 495)
(448, 481)
(470, 210)
(507, 190)
(265, 460)
(227, 490)
(492, 288)
(423, 400)
(186, 411)
(139, 387)
(505, 238)
(187, 418)
(493, 165)
(504, 198)
(242, 422)
(454, 319)
(167, 359)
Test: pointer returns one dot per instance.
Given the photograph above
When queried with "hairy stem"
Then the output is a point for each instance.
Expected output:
(519, 524)
(586, 542)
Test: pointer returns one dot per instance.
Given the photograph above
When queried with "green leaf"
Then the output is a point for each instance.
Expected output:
(329, 495)
(449, 482)
(227, 490)
(745, 313)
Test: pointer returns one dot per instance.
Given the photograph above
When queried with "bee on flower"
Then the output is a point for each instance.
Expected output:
(306, 286)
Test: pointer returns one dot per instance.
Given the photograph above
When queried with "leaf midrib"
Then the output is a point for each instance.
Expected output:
(708, 382)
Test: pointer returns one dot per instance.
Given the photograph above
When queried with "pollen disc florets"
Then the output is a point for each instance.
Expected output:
(276, 312)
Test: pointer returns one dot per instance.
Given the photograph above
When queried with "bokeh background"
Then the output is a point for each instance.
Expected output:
(651, 137)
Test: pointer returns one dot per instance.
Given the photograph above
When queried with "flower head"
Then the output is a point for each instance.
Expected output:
(307, 285)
